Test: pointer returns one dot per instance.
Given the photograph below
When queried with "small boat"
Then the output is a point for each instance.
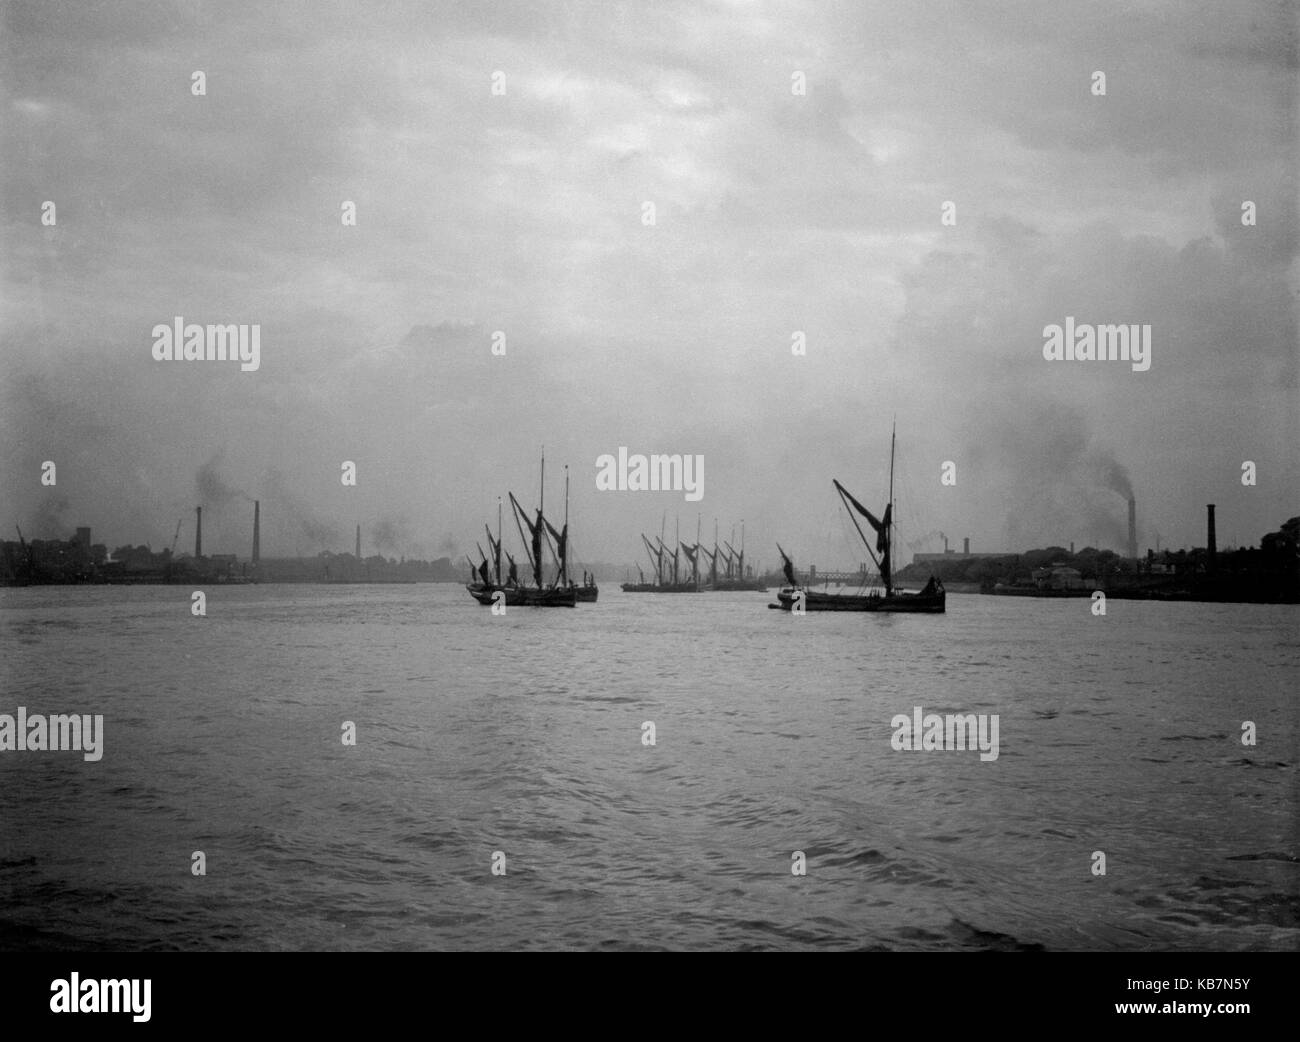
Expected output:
(931, 600)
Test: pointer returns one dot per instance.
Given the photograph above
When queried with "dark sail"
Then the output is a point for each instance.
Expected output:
(786, 566)
(535, 537)
(536, 529)
(561, 545)
(881, 526)
(514, 569)
(483, 573)
(658, 558)
(691, 553)
(713, 563)
(495, 546)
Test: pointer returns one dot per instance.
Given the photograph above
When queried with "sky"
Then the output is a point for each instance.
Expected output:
(522, 211)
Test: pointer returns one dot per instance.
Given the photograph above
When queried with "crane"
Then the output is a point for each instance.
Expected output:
(176, 536)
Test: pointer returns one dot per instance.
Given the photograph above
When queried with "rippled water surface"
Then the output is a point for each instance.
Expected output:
(522, 734)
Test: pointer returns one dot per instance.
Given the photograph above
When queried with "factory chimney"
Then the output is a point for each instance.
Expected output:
(965, 545)
(198, 532)
(358, 542)
(1211, 546)
(257, 531)
(1132, 529)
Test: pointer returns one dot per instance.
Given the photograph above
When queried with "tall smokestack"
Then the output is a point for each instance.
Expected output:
(965, 545)
(257, 531)
(1132, 529)
(358, 542)
(1211, 546)
(198, 531)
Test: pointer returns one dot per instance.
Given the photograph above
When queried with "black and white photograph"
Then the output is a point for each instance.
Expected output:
(650, 475)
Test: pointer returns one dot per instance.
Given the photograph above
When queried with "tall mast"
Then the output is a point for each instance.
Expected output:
(889, 531)
(498, 553)
(541, 504)
(677, 547)
(663, 524)
(695, 564)
(566, 525)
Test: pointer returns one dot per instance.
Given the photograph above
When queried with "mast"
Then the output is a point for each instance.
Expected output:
(498, 553)
(677, 539)
(889, 529)
(695, 564)
(565, 563)
(541, 504)
(663, 525)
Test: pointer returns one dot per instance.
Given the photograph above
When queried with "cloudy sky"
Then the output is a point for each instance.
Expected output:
(775, 212)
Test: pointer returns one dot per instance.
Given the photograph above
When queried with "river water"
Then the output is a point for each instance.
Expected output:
(522, 734)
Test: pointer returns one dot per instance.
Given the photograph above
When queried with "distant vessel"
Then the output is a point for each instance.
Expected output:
(668, 580)
(733, 577)
(560, 594)
(931, 599)
(659, 552)
(588, 591)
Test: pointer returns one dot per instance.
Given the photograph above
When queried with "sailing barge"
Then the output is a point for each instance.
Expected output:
(562, 593)
(660, 555)
(931, 600)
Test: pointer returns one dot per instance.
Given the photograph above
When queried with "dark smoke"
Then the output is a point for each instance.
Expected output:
(302, 522)
(48, 522)
(212, 487)
(1111, 474)
(1054, 474)
(918, 545)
